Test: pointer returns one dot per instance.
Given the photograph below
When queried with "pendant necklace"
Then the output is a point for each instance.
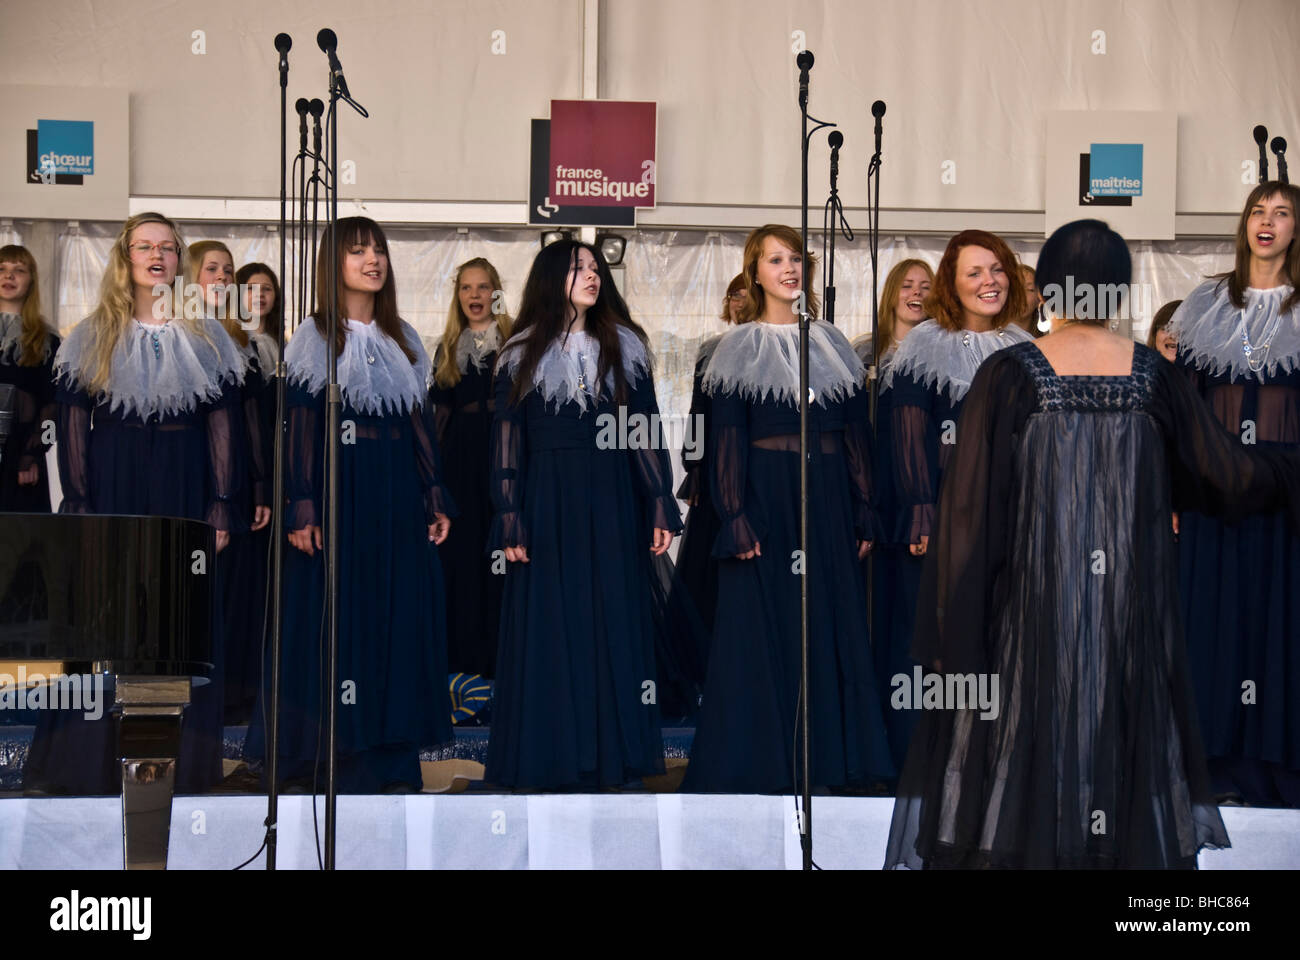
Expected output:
(1253, 351)
(153, 337)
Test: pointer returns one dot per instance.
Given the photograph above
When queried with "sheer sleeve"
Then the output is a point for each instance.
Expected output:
(225, 460)
(858, 450)
(506, 471)
(302, 458)
(441, 401)
(916, 454)
(693, 467)
(651, 465)
(428, 460)
(963, 578)
(74, 411)
(46, 410)
(259, 473)
(728, 463)
(1212, 471)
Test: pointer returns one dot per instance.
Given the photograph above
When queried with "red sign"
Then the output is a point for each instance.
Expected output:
(602, 153)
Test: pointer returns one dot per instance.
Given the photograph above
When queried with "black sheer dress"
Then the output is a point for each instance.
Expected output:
(1053, 568)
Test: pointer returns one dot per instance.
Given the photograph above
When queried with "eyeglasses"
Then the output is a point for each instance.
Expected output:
(143, 249)
(738, 295)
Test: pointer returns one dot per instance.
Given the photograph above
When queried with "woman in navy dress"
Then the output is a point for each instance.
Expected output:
(148, 420)
(747, 731)
(393, 510)
(896, 572)
(1052, 569)
(260, 317)
(241, 567)
(977, 293)
(477, 325)
(697, 570)
(1239, 340)
(580, 510)
(27, 348)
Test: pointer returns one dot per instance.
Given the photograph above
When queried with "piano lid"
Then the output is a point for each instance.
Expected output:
(131, 594)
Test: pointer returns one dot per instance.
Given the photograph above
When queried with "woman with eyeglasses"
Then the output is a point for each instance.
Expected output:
(148, 419)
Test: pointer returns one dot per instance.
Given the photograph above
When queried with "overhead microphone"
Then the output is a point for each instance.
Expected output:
(317, 109)
(1278, 146)
(804, 61)
(301, 106)
(328, 41)
(836, 140)
(282, 43)
(1261, 138)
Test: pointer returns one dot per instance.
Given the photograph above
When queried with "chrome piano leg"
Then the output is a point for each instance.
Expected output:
(149, 743)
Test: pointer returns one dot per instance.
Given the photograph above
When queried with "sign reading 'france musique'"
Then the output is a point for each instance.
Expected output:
(602, 153)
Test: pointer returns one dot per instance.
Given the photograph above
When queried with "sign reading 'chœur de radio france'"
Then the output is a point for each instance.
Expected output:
(603, 153)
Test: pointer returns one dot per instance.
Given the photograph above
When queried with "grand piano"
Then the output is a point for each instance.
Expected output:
(128, 597)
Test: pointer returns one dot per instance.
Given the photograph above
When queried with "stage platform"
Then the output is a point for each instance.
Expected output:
(558, 831)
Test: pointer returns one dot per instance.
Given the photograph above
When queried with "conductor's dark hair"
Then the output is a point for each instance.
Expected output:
(1084, 271)
(544, 311)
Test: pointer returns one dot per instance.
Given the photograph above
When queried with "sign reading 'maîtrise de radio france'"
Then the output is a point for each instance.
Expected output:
(602, 153)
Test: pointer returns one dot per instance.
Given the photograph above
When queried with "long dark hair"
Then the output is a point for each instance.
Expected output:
(1239, 277)
(275, 318)
(543, 315)
(353, 231)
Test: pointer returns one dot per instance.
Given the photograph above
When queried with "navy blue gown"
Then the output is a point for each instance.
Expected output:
(745, 741)
(464, 419)
(242, 568)
(1240, 581)
(33, 406)
(697, 570)
(161, 442)
(576, 705)
(392, 646)
(922, 391)
(1052, 569)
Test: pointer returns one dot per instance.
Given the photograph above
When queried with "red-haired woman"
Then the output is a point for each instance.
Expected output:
(978, 291)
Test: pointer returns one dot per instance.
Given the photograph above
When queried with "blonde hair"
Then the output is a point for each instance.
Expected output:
(198, 250)
(35, 335)
(448, 373)
(116, 307)
(789, 237)
(887, 318)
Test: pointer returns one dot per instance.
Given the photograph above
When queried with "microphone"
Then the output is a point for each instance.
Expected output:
(836, 140)
(282, 43)
(301, 106)
(1261, 137)
(317, 108)
(328, 41)
(878, 111)
(1278, 146)
(804, 62)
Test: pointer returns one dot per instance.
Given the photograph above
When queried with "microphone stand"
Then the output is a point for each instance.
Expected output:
(873, 241)
(804, 61)
(283, 44)
(834, 210)
(333, 410)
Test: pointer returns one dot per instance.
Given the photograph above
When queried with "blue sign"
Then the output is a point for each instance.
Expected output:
(66, 146)
(1115, 170)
